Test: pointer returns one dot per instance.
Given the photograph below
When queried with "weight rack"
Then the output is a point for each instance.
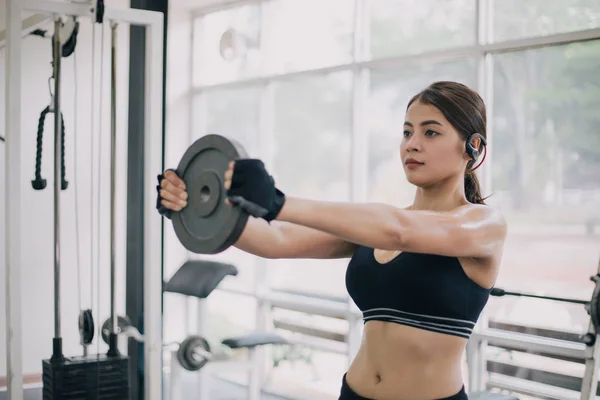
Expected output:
(153, 22)
(588, 350)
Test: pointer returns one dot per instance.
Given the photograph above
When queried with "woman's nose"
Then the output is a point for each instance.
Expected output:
(413, 143)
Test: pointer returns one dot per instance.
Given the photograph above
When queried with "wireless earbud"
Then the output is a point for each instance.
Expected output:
(472, 151)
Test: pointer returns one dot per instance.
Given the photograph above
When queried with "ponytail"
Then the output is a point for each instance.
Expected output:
(472, 188)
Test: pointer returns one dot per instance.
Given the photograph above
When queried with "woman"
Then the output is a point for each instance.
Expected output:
(421, 275)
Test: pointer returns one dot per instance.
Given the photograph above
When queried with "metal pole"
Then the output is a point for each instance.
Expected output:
(57, 346)
(113, 350)
(113, 130)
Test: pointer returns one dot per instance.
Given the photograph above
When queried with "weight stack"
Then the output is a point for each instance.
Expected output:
(92, 377)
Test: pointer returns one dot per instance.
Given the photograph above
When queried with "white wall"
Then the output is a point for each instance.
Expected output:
(37, 206)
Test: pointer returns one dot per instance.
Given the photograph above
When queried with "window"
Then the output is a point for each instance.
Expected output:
(546, 178)
(311, 148)
(229, 315)
(543, 169)
(227, 45)
(233, 113)
(308, 372)
(309, 34)
(513, 19)
(401, 27)
(390, 91)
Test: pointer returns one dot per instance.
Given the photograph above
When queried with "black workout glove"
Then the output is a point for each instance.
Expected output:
(162, 210)
(253, 190)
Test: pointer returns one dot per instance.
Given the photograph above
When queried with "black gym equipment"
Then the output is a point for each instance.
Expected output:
(589, 382)
(86, 327)
(64, 38)
(591, 306)
(207, 225)
(197, 278)
(87, 376)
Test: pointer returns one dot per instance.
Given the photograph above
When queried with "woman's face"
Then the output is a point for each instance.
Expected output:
(431, 150)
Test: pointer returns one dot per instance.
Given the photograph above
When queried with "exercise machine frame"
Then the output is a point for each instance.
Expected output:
(589, 353)
(153, 22)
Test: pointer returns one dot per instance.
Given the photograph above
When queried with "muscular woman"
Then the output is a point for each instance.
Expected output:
(421, 274)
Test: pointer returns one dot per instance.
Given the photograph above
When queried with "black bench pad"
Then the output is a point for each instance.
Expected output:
(198, 278)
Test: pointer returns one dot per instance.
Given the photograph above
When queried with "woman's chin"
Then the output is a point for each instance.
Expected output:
(416, 178)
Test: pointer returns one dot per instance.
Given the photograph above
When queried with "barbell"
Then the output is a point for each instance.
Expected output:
(193, 353)
(591, 306)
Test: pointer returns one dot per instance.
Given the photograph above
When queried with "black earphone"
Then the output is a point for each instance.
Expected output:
(472, 151)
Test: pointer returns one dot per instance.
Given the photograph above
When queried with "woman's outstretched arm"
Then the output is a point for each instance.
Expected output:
(468, 231)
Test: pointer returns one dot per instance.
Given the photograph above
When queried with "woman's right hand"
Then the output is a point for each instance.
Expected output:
(274, 240)
(172, 193)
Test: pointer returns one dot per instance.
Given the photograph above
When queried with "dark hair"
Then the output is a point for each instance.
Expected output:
(465, 110)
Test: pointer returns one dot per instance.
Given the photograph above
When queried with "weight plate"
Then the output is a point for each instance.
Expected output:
(122, 324)
(186, 355)
(207, 225)
(86, 326)
(594, 306)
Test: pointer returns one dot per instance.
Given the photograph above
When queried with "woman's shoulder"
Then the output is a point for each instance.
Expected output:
(481, 212)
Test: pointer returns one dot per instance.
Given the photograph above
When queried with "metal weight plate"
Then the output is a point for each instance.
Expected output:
(123, 322)
(190, 353)
(207, 225)
(86, 326)
(594, 306)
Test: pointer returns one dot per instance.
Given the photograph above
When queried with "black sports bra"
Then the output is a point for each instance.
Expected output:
(424, 291)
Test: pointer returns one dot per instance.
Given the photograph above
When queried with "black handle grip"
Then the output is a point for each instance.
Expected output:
(251, 208)
(39, 183)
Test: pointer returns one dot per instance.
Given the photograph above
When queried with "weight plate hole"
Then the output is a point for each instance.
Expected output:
(204, 194)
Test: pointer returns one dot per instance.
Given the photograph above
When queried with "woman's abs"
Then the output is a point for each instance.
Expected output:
(397, 362)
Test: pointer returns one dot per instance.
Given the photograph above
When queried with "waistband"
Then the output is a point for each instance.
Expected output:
(346, 393)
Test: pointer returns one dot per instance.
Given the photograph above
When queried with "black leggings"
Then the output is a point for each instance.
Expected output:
(347, 393)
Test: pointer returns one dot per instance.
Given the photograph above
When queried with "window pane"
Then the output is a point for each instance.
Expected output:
(227, 45)
(312, 137)
(309, 34)
(514, 19)
(233, 113)
(307, 372)
(391, 89)
(546, 178)
(400, 27)
(229, 315)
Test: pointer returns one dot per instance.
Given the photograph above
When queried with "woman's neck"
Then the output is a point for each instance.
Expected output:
(444, 197)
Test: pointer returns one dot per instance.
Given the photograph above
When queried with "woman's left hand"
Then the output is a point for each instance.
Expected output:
(250, 187)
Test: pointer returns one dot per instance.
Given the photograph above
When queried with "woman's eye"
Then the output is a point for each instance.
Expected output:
(406, 133)
(431, 133)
